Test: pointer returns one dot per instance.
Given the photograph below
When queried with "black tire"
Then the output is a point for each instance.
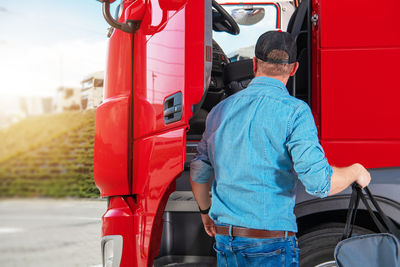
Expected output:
(317, 245)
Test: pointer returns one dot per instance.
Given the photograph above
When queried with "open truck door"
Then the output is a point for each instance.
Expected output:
(159, 64)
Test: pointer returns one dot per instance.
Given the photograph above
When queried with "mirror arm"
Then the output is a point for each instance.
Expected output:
(131, 26)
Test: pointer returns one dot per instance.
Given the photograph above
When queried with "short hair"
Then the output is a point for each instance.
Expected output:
(273, 69)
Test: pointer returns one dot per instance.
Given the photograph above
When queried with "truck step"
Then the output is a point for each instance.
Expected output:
(185, 261)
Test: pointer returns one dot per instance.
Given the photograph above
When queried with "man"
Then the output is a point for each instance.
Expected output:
(259, 143)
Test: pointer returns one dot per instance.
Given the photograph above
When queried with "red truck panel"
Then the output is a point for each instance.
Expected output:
(359, 99)
(358, 23)
(354, 92)
(113, 127)
(158, 68)
(119, 220)
(374, 154)
(158, 159)
(111, 172)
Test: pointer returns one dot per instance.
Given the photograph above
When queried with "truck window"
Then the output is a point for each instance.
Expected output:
(253, 20)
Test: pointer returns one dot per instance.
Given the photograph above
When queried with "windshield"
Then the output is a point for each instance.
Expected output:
(253, 21)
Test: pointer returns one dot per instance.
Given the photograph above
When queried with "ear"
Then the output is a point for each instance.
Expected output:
(255, 66)
(295, 67)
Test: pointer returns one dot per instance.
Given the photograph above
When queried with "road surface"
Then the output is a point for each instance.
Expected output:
(48, 232)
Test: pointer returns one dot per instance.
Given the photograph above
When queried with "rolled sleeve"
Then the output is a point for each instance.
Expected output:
(308, 157)
(200, 171)
(200, 167)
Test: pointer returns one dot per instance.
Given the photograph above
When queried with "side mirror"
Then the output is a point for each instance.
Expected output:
(248, 15)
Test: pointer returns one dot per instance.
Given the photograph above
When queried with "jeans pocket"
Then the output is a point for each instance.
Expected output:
(221, 257)
(275, 258)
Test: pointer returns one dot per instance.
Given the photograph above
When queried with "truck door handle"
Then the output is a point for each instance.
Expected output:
(173, 108)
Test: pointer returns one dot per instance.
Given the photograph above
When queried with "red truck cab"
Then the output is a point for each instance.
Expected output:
(168, 66)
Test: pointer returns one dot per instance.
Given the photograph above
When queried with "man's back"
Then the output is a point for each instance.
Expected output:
(246, 143)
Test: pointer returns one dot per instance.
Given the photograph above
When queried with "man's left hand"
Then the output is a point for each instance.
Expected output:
(209, 225)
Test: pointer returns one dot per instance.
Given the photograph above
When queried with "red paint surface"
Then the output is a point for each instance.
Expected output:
(357, 23)
(159, 69)
(119, 220)
(374, 154)
(158, 159)
(111, 172)
(359, 98)
(354, 71)
(113, 127)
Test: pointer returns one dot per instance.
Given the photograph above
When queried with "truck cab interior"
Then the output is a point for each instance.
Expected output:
(184, 242)
(230, 76)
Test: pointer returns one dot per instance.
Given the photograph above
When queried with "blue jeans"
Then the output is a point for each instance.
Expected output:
(257, 252)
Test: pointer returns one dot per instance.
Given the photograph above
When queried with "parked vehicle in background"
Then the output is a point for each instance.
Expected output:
(171, 61)
(92, 90)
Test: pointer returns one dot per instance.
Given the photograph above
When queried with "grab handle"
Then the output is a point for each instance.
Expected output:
(130, 26)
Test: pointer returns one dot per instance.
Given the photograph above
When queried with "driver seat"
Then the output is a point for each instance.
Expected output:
(238, 75)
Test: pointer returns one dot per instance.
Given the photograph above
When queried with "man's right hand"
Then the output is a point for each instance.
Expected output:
(344, 177)
(363, 177)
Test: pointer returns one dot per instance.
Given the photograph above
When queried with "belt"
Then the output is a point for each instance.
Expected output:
(251, 233)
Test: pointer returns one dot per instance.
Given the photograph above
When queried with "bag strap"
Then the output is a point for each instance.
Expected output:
(390, 226)
(351, 213)
(356, 195)
(380, 226)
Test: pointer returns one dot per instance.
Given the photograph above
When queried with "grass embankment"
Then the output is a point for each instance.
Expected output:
(50, 155)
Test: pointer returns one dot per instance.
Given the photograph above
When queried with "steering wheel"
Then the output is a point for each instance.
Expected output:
(224, 21)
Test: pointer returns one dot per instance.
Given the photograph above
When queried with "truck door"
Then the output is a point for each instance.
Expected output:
(357, 47)
(170, 53)
(159, 63)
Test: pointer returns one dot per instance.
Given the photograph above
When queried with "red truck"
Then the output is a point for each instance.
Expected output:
(171, 61)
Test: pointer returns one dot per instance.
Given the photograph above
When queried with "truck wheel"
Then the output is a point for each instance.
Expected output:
(317, 245)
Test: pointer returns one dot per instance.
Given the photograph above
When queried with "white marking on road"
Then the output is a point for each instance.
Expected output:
(9, 230)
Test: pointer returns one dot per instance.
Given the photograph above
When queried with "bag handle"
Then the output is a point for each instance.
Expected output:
(356, 195)
(390, 226)
(351, 213)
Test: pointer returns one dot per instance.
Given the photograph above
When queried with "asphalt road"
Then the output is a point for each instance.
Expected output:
(48, 232)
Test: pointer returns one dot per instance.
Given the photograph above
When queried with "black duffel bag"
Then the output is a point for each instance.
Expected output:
(372, 250)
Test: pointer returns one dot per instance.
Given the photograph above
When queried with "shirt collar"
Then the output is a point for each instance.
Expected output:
(270, 82)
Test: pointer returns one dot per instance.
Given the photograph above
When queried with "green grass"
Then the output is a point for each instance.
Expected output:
(50, 155)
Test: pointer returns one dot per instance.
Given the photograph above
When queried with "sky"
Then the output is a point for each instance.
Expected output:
(45, 44)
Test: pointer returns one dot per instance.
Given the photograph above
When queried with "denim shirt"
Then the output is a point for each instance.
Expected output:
(259, 143)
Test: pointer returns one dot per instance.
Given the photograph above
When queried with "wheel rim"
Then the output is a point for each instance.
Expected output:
(327, 264)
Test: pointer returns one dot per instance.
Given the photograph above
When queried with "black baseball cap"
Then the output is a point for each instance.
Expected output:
(276, 40)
